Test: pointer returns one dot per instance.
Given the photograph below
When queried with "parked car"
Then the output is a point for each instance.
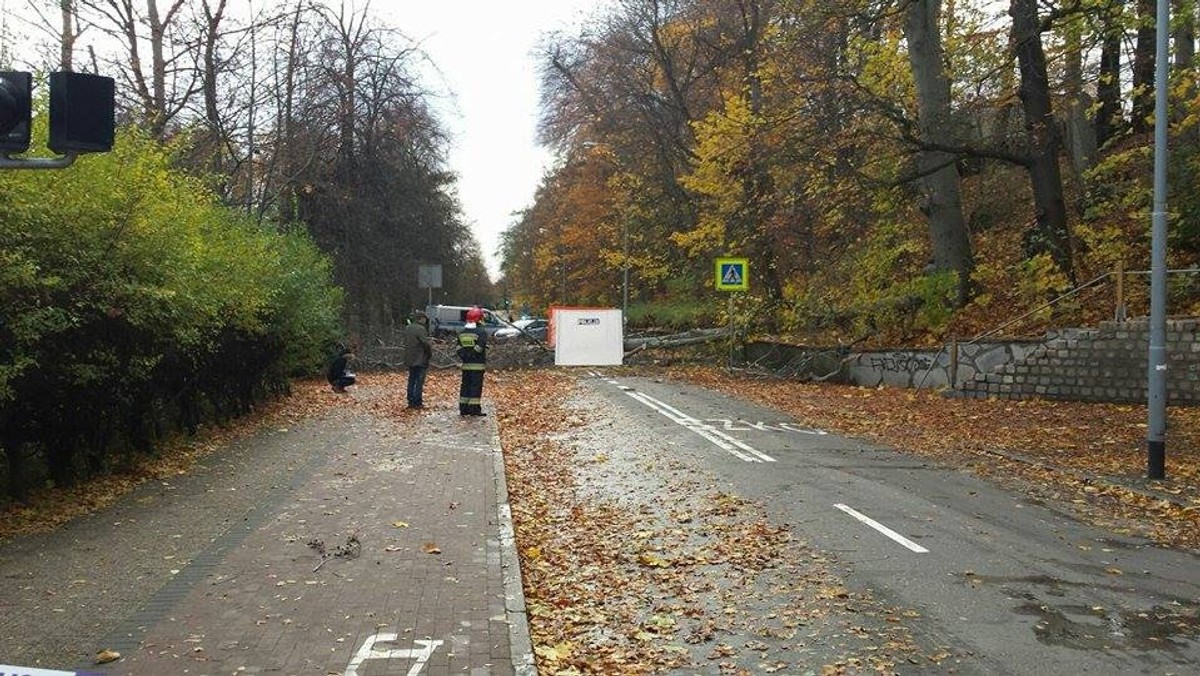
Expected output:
(531, 327)
(446, 321)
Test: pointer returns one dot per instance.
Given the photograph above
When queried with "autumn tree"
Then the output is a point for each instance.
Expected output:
(942, 203)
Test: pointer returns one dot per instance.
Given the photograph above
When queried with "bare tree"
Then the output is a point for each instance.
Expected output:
(164, 88)
(64, 28)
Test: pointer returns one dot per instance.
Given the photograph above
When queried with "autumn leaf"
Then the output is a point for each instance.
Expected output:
(653, 560)
(431, 548)
(554, 653)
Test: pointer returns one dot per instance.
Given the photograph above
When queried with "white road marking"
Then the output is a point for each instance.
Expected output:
(698, 429)
(739, 425)
(6, 669)
(803, 430)
(368, 651)
(883, 529)
(717, 437)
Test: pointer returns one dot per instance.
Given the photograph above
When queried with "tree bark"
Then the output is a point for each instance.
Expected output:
(1053, 233)
(1108, 85)
(208, 86)
(949, 239)
(66, 57)
(1183, 16)
(1081, 135)
(1143, 68)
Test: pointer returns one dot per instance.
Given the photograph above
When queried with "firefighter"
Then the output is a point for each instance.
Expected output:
(472, 350)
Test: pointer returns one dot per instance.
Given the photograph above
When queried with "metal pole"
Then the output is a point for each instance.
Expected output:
(732, 331)
(624, 271)
(1156, 381)
(1121, 313)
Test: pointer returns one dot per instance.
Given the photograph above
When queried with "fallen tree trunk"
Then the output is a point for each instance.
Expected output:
(692, 337)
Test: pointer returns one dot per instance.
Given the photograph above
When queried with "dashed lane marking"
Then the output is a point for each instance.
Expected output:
(723, 441)
(883, 529)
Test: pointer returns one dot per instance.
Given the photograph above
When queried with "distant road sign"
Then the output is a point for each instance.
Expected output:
(429, 276)
(733, 274)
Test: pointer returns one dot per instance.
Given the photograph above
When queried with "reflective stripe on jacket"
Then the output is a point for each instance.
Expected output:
(472, 349)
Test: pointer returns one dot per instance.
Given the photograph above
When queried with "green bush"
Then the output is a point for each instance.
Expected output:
(133, 303)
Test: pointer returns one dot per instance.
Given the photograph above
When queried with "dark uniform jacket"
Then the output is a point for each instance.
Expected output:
(472, 348)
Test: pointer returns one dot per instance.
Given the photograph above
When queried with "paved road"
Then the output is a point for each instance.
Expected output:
(351, 544)
(221, 571)
(1021, 587)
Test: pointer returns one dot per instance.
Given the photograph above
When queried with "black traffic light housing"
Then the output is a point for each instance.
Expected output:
(81, 113)
(16, 111)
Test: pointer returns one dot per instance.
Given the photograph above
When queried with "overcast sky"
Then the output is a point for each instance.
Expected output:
(487, 79)
(485, 53)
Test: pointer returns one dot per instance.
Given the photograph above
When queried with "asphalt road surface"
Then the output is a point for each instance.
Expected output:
(1019, 586)
(215, 572)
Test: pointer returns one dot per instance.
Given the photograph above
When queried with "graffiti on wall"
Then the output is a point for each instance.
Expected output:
(900, 362)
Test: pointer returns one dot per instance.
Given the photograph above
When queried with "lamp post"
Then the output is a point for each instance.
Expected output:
(1156, 380)
(624, 272)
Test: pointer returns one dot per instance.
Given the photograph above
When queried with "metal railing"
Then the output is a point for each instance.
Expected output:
(1120, 311)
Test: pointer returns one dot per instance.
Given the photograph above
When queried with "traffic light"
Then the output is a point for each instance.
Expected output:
(81, 113)
(16, 110)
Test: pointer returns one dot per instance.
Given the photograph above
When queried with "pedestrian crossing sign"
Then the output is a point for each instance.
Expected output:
(733, 274)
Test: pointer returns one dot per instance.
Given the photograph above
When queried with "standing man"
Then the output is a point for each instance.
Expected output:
(472, 350)
(417, 351)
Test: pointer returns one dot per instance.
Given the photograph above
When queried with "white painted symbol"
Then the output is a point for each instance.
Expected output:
(731, 275)
(803, 430)
(368, 651)
(716, 436)
(10, 670)
(883, 529)
(747, 426)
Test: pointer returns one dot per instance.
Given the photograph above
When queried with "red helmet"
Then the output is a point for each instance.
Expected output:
(475, 314)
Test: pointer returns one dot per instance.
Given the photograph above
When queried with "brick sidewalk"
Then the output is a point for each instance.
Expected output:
(419, 575)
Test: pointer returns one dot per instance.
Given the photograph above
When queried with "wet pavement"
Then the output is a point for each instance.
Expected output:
(374, 541)
(356, 544)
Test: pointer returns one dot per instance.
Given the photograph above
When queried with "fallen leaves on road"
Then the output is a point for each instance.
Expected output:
(636, 563)
(1089, 457)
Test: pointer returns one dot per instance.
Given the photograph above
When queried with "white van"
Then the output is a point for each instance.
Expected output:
(445, 321)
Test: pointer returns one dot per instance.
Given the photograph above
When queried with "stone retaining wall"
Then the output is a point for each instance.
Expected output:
(896, 368)
(1103, 364)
